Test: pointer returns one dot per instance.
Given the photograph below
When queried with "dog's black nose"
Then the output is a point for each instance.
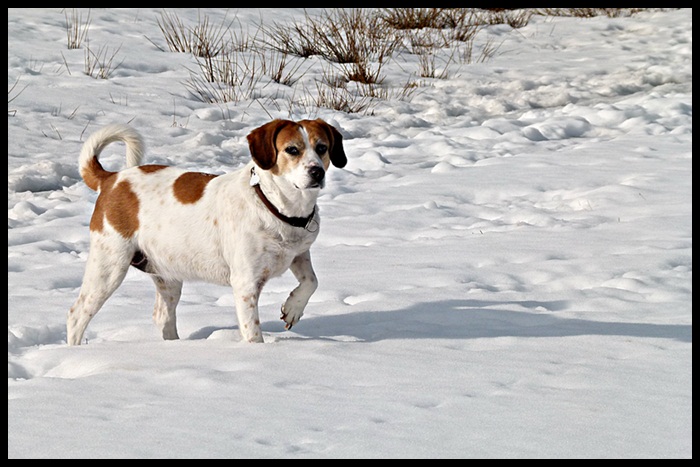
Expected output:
(317, 173)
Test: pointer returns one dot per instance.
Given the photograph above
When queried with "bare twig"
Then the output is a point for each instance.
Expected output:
(76, 29)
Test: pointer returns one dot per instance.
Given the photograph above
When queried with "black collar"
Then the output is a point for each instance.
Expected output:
(304, 222)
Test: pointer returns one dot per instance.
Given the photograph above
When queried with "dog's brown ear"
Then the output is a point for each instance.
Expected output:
(337, 152)
(261, 142)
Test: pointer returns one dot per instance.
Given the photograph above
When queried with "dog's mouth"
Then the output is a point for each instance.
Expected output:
(312, 185)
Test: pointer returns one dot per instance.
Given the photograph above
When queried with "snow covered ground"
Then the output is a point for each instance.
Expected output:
(505, 263)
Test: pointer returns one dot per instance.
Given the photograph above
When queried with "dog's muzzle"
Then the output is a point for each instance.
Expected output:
(317, 175)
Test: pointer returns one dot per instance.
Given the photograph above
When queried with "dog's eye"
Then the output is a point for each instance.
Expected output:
(321, 149)
(292, 150)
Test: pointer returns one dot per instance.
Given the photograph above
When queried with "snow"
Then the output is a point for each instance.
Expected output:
(505, 263)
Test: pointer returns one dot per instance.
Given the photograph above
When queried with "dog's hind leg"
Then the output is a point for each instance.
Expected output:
(106, 267)
(167, 297)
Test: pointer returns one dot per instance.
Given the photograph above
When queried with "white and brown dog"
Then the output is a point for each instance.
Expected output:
(238, 229)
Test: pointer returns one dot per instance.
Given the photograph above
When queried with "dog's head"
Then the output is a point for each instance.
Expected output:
(299, 151)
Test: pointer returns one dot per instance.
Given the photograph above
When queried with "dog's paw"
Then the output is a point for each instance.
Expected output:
(251, 332)
(256, 339)
(253, 336)
(291, 314)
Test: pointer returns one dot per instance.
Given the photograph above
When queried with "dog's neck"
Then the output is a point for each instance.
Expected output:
(289, 203)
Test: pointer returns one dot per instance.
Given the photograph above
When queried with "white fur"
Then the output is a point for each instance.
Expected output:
(226, 237)
(110, 134)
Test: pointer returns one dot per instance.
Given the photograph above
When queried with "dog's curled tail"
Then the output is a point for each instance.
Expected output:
(90, 168)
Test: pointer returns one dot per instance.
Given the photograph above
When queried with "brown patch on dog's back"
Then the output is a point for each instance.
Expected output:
(152, 168)
(189, 187)
(119, 205)
(94, 175)
(98, 215)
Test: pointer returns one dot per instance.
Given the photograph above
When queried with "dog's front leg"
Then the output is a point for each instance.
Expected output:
(293, 308)
(246, 295)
